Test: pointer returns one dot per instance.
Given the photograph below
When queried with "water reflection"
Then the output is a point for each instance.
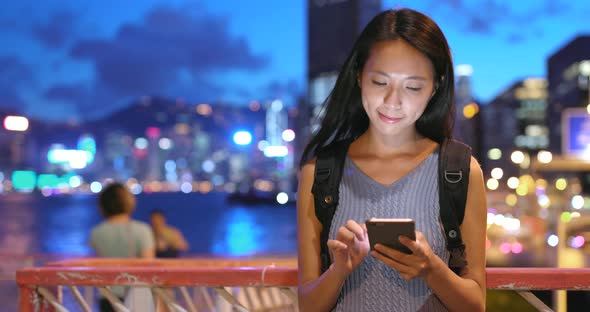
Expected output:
(67, 229)
(33, 224)
(240, 235)
(17, 220)
(248, 231)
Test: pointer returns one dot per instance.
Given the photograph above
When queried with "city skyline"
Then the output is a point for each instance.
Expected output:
(80, 61)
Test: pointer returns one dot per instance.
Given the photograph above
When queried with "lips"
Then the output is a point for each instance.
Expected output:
(389, 119)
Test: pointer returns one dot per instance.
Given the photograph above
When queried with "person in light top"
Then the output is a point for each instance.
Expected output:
(119, 235)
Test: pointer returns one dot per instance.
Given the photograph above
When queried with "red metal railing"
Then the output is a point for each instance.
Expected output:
(538, 278)
(39, 288)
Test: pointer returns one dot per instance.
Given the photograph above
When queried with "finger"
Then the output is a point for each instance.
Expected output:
(390, 252)
(344, 235)
(413, 245)
(389, 261)
(337, 245)
(419, 247)
(356, 229)
(337, 249)
(405, 271)
(419, 235)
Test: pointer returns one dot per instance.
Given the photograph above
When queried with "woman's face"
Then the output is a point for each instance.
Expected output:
(396, 84)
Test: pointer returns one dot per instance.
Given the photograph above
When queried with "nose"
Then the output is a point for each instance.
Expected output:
(392, 98)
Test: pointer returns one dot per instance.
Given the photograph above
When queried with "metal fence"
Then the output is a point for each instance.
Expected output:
(209, 284)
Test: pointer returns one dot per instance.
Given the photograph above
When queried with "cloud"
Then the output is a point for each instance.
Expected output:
(487, 17)
(479, 24)
(169, 53)
(14, 70)
(9, 98)
(515, 38)
(14, 76)
(67, 92)
(56, 32)
(84, 100)
(8, 23)
(554, 8)
(281, 88)
(152, 55)
(456, 4)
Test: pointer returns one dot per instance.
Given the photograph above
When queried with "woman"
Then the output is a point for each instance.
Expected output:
(394, 98)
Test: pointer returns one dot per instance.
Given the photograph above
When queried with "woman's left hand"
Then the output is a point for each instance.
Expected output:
(409, 266)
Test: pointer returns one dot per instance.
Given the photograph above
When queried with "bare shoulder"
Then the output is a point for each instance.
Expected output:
(308, 170)
(306, 178)
(475, 171)
(476, 195)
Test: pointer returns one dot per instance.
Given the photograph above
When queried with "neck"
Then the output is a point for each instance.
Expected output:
(120, 218)
(407, 143)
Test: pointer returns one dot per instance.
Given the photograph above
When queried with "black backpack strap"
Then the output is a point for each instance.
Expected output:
(328, 172)
(454, 165)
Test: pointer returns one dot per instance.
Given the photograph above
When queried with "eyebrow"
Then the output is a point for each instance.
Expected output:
(408, 77)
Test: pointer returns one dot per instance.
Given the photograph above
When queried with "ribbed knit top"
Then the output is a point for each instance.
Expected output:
(374, 286)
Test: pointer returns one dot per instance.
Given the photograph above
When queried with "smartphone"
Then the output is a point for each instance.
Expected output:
(387, 231)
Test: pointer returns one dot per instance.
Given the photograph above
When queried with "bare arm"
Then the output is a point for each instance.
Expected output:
(148, 253)
(179, 241)
(316, 293)
(468, 291)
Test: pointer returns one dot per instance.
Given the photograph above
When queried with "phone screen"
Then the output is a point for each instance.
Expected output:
(387, 231)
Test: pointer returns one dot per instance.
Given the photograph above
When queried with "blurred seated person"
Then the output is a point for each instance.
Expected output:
(169, 240)
(119, 236)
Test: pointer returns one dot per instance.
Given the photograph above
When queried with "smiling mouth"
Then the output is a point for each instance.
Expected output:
(388, 119)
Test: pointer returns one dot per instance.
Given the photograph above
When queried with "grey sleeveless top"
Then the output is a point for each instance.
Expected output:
(374, 286)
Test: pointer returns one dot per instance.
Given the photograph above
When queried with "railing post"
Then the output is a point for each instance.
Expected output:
(28, 299)
(51, 299)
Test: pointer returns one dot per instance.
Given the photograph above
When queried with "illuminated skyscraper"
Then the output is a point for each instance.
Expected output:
(276, 122)
(516, 120)
(568, 72)
(467, 118)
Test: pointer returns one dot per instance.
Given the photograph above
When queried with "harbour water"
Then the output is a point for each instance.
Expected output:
(35, 229)
(33, 224)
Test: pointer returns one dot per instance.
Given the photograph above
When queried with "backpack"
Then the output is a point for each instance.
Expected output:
(453, 180)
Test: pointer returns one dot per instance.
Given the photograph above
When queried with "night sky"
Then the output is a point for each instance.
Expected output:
(63, 60)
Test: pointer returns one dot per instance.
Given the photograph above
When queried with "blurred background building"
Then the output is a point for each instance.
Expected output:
(568, 75)
(332, 27)
(156, 144)
(467, 118)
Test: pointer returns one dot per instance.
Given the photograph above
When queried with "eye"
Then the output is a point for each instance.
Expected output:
(378, 83)
(415, 89)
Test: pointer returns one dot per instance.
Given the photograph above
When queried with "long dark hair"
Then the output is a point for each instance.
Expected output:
(343, 114)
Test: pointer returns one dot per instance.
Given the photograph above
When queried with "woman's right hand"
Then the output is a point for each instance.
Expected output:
(349, 248)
